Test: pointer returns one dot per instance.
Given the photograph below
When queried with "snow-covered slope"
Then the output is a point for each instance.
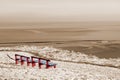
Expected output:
(65, 55)
(64, 71)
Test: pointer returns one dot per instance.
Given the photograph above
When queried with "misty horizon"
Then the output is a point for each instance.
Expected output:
(59, 11)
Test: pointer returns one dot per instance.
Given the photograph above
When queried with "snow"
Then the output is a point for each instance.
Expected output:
(65, 55)
(65, 70)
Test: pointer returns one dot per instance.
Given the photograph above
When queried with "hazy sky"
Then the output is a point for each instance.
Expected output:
(59, 10)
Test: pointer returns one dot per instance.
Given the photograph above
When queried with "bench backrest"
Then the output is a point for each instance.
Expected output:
(33, 57)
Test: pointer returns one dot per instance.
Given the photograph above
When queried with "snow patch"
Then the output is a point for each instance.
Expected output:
(64, 71)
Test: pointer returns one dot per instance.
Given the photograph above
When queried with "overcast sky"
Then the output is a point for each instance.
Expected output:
(59, 10)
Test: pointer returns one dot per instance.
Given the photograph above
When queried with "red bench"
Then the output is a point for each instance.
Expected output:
(22, 59)
(34, 60)
(42, 61)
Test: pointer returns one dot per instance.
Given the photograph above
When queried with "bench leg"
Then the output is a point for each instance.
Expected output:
(16, 61)
(54, 66)
(39, 66)
(22, 62)
(47, 66)
(28, 63)
(33, 64)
